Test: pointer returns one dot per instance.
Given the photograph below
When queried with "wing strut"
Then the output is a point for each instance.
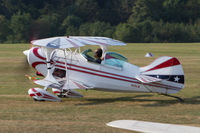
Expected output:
(49, 53)
(66, 70)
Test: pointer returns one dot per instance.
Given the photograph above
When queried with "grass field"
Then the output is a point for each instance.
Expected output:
(19, 113)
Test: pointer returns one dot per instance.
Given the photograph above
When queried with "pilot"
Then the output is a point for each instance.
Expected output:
(97, 54)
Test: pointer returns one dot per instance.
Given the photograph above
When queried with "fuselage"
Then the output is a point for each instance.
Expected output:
(102, 76)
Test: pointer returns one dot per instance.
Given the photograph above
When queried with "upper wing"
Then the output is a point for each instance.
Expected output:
(63, 42)
(147, 79)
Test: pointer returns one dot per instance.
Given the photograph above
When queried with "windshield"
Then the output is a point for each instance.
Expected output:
(88, 54)
(115, 59)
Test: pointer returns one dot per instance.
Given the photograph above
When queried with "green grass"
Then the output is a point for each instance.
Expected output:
(19, 113)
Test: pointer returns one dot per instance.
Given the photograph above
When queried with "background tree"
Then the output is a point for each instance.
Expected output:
(45, 26)
(127, 33)
(129, 20)
(96, 29)
(87, 9)
(20, 27)
(71, 25)
(4, 29)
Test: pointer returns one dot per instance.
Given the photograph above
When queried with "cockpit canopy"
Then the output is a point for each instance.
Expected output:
(110, 58)
(115, 59)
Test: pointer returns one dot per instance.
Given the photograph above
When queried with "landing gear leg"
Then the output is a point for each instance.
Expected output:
(180, 99)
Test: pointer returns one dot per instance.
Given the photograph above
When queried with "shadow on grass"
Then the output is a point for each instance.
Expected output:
(138, 98)
(95, 101)
(146, 99)
(192, 100)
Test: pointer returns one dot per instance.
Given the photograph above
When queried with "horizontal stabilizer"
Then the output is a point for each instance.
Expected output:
(147, 79)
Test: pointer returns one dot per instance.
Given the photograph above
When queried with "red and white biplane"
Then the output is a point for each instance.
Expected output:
(66, 68)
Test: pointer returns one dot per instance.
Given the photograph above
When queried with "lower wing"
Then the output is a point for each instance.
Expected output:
(63, 84)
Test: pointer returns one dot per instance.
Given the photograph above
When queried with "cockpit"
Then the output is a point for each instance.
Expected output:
(109, 58)
(89, 55)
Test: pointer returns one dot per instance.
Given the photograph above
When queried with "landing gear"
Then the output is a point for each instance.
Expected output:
(39, 94)
(180, 99)
(66, 93)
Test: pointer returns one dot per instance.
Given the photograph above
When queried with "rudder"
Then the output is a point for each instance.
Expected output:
(165, 68)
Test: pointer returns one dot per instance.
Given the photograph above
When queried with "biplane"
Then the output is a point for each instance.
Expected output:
(65, 68)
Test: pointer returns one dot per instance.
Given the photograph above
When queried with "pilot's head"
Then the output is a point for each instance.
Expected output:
(98, 53)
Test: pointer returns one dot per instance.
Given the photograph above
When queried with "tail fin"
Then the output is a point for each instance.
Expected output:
(166, 68)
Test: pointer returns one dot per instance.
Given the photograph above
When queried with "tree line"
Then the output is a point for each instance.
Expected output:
(125, 20)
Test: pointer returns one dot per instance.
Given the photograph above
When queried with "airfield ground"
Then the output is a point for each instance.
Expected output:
(19, 113)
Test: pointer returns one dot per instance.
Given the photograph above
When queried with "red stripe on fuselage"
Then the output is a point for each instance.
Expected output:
(37, 54)
(100, 75)
(92, 73)
(94, 70)
(157, 85)
(105, 76)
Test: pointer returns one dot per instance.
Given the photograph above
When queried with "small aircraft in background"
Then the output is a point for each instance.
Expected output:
(66, 68)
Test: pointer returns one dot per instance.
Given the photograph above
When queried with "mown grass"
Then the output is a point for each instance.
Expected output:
(19, 113)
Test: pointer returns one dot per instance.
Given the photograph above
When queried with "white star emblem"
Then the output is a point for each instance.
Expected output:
(176, 79)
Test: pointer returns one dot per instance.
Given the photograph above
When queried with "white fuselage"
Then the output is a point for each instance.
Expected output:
(99, 76)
